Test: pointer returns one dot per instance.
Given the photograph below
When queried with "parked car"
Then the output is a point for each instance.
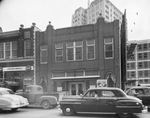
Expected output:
(105, 99)
(141, 92)
(10, 101)
(36, 96)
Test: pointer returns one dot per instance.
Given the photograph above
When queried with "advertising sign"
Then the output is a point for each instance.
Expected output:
(101, 83)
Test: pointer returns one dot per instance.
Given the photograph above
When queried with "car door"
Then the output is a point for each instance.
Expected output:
(89, 103)
(107, 101)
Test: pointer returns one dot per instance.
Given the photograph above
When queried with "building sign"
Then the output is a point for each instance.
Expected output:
(101, 83)
(19, 68)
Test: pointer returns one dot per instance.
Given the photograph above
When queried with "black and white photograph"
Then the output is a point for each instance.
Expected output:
(74, 59)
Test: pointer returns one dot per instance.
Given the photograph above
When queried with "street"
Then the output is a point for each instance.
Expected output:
(34, 112)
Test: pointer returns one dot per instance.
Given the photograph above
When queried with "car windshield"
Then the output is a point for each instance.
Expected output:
(4, 92)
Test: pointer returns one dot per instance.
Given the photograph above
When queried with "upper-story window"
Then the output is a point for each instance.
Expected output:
(90, 49)
(1, 50)
(74, 50)
(43, 55)
(27, 48)
(108, 48)
(14, 49)
(27, 34)
(59, 52)
(8, 50)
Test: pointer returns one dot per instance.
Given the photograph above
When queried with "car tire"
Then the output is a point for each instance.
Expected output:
(14, 109)
(46, 104)
(68, 110)
(125, 115)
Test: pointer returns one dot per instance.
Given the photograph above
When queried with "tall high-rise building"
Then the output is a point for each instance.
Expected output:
(96, 9)
(138, 63)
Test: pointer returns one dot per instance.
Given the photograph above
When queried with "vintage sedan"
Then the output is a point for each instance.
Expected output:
(112, 100)
(141, 92)
(10, 101)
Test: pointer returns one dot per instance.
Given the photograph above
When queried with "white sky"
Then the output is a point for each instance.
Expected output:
(59, 12)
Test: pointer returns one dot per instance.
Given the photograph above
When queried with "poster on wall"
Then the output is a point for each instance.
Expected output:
(101, 83)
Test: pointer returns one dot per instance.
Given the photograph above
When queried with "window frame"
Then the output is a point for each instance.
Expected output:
(27, 49)
(58, 48)
(89, 45)
(73, 47)
(41, 57)
(108, 43)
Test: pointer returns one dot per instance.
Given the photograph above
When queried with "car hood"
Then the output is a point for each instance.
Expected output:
(12, 97)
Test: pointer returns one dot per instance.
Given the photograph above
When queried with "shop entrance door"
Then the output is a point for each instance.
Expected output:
(76, 88)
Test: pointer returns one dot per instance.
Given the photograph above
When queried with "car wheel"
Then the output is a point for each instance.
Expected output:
(14, 109)
(46, 104)
(125, 115)
(68, 110)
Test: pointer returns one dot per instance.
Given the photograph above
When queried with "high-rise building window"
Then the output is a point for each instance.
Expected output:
(1, 50)
(43, 54)
(27, 48)
(139, 56)
(90, 49)
(74, 50)
(108, 48)
(59, 52)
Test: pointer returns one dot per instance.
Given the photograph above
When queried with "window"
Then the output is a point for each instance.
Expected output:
(27, 48)
(14, 49)
(74, 50)
(145, 55)
(140, 73)
(139, 56)
(139, 46)
(59, 52)
(90, 49)
(27, 34)
(1, 50)
(108, 48)
(70, 51)
(145, 46)
(140, 65)
(79, 50)
(7, 50)
(132, 74)
(44, 55)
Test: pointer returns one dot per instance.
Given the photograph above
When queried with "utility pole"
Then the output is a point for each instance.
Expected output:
(123, 51)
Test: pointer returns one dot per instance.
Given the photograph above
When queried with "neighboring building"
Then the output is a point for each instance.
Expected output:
(79, 17)
(97, 8)
(138, 64)
(17, 57)
(70, 60)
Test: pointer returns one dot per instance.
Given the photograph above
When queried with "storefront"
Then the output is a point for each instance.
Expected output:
(17, 77)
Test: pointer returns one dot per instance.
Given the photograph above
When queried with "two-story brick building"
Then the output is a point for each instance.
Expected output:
(72, 59)
(17, 57)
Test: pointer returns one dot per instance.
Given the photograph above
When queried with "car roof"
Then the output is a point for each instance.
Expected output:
(138, 87)
(1, 88)
(104, 88)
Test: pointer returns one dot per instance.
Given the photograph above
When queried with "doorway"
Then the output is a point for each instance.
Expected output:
(76, 88)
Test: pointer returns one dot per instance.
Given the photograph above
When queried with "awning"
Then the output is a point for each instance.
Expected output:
(77, 77)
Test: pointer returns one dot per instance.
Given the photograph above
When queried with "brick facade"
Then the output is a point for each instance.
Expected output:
(61, 71)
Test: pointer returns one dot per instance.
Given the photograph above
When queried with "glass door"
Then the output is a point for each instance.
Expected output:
(76, 88)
